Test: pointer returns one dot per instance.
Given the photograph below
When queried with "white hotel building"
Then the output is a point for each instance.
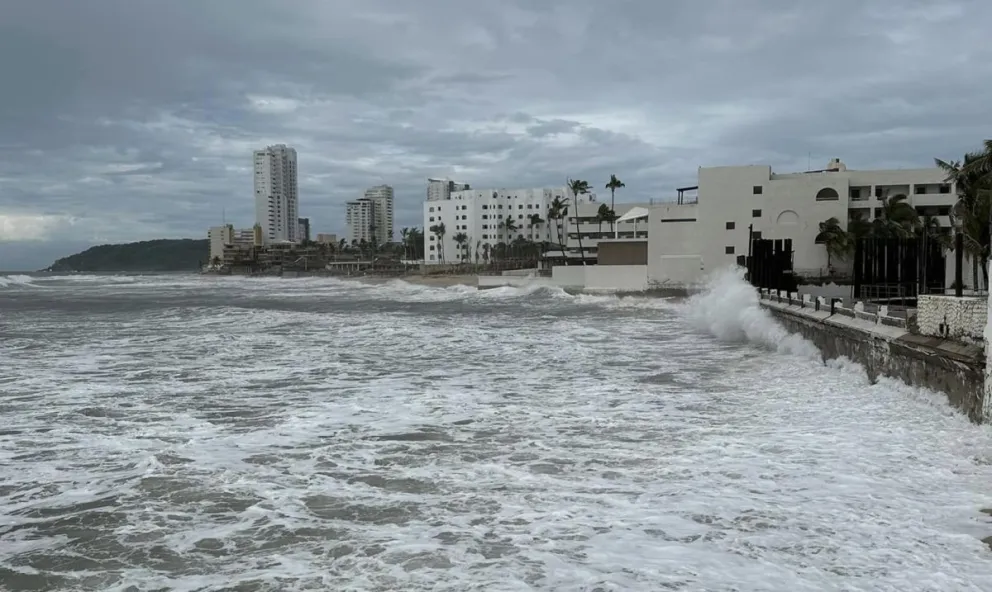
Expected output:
(691, 239)
(482, 213)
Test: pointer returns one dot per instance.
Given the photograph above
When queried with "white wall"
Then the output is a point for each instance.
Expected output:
(786, 206)
(955, 318)
(674, 245)
(622, 278)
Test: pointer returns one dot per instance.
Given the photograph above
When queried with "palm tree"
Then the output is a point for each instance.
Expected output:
(603, 215)
(980, 164)
(460, 239)
(404, 240)
(510, 225)
(973, 182)
(558, 211)
(579, 187)
(415, 240)
(613, 185)
(837, 240)
(438, 230)
(898, 219)
(535, 222)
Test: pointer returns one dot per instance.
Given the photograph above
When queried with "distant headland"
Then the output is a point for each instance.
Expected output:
(154, 255)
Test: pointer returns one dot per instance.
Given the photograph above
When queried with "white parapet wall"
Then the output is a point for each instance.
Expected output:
(948, 317)
(605, 278)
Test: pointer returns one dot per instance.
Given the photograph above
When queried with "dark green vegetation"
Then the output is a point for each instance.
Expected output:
(154, 255)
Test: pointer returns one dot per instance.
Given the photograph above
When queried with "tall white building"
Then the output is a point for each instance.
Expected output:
(360, 218)
(276, 198)
(382, 201)
(489, 217)
(690, 239)
(441, 189)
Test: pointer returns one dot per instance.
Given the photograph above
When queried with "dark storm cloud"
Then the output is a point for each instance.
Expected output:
(132, 119)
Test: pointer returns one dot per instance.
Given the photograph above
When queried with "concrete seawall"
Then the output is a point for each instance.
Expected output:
(884, 348)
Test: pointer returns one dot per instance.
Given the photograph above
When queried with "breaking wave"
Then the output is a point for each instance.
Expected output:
(730, 310)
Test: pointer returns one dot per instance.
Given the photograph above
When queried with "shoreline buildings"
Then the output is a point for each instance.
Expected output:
(710, 224)
(276, 194)
(489, 217)
(701, 234)
(370, 218)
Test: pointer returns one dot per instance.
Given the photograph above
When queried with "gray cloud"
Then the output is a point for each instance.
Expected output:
(134, 119)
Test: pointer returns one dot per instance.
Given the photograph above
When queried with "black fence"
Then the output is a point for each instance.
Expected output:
(769, 265)
(898, 269)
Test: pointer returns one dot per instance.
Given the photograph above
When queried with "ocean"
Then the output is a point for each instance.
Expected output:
(194, 433)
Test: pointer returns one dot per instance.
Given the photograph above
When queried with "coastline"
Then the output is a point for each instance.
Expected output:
(434, 281)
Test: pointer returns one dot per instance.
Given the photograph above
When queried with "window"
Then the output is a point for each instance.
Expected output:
(920, 189)
(729, 250)
(827, 194)
(755, 213)
(756, 235)
(731, 225)
(757, 189)
(945, 188)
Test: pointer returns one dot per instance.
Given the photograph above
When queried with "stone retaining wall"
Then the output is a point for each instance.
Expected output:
(880, 341)
(952, 318)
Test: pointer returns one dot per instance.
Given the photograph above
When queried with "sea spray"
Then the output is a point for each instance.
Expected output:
(729, 309)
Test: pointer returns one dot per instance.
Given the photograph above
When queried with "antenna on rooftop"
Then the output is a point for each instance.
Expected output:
(223, 215)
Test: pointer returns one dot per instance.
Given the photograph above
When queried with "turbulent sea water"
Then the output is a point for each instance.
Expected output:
(194, 433)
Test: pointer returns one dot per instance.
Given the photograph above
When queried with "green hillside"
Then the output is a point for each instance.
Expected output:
(154, 255)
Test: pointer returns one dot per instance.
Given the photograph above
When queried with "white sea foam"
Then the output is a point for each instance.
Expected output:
(729, 308)
(208, 433)
(7, 281)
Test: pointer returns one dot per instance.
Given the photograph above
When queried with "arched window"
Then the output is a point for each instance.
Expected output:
(827, 194)
(788, 218)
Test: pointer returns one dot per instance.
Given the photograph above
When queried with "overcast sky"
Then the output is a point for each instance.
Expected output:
(125, 120)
